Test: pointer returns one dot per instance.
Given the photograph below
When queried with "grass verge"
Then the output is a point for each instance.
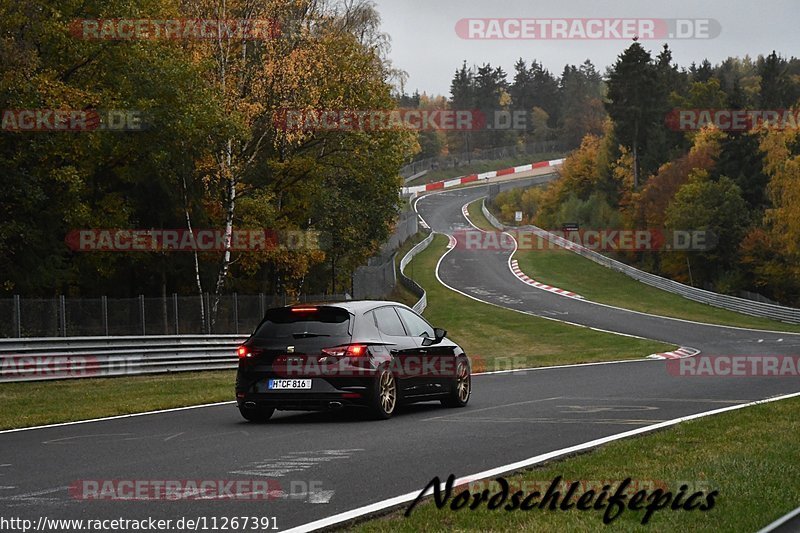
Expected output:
(501, 337)
(567, 270)
(48, 402)
(758, 479)
(477, 217)
(521, 339)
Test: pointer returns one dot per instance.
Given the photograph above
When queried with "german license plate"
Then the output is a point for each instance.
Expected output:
(287, 384)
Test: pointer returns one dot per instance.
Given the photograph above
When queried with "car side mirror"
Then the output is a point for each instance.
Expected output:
(438, 333)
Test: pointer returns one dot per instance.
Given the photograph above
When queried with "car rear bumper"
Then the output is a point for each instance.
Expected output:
(325, 393)
(303, 401)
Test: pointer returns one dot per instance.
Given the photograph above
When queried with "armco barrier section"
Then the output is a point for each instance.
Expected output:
(36, 359)
(409, 283)
(50, 358)
(732, 303)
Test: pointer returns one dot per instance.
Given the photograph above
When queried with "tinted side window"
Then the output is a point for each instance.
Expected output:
(389, 323)
(418, 327)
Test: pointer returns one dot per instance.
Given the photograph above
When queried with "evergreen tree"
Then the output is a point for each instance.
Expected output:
(633, 101)
(775, 89)
(545, 92)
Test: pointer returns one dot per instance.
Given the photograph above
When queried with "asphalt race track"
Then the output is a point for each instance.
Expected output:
(485, 275)
(321, 464)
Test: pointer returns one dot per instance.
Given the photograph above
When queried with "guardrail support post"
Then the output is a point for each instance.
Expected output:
(236, 312)
(141, 313)
(208, 314)
(104, 311)
(62, 311)
(17, 317)
(175, 311)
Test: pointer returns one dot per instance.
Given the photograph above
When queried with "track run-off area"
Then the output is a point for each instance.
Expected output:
(323, 468)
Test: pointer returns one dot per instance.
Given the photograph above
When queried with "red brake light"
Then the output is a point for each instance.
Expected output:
(348, 350)
(246, 352)
(356, 350)
(303, 309)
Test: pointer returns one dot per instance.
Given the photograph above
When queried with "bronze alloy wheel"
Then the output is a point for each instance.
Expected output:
(464, 383)
(461, 388)
(388, 392)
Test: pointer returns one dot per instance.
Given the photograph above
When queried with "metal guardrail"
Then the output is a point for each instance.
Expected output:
(490, 217)
(732, 303)
(51, 358)
(409, 283)
(37, 359)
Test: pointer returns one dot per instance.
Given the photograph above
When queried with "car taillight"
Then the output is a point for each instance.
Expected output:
(247, 352)
(303, 309)
(348, 350)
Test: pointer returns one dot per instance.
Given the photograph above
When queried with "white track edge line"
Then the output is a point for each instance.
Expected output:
(780, 521)
(398, 500)
(117, 417)
(669, 317)
(534, 314)
(216, 404)
(518, 310)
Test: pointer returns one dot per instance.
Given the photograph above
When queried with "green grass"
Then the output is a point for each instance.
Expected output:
(570, 271)
(501, 337)
(47, 402)
(477, 217)
(523, 340)
(481, 166)
(567, 270)
(758, 479)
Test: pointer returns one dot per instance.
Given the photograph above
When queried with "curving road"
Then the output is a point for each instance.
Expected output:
(321, 464)
(485, 275)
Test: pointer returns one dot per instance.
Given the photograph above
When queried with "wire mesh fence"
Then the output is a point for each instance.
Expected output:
(184, 315)
(167, 315)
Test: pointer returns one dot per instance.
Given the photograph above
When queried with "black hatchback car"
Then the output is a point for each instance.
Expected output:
(370, 354)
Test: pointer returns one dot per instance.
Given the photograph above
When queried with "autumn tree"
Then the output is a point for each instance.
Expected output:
(715, 207)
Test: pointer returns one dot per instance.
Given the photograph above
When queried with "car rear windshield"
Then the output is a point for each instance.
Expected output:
(304, 323)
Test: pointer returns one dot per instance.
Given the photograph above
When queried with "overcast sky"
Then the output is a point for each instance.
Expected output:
(425, 43)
